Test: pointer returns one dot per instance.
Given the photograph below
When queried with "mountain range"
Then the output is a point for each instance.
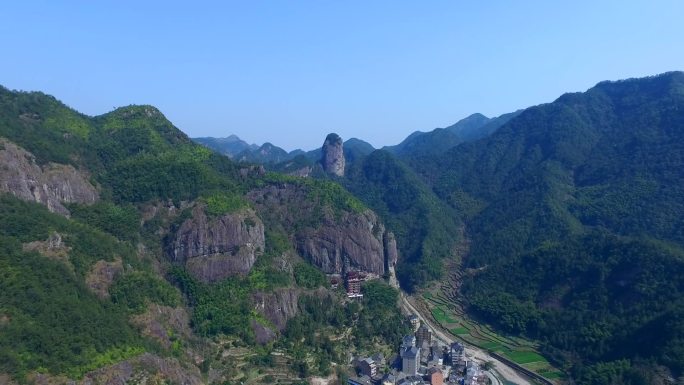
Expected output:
(573, 214)
(121, 239)
(471, 128)
(564, 223)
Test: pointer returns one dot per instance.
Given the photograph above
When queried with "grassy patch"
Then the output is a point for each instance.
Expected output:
(441, 316)
(524, 357)
(554, 375)
(459, 331)
(224, 203)
(492, 345)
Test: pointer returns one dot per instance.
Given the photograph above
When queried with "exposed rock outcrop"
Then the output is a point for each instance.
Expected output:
(352, 241)
(332, 241)
(278, 307)
(333, 155)
(143, 369)
(262, 334)
(216, 248)
(161, 323)
(257, 170)
(53, 248)
(51, 185)
(391, 254)
(303, 172)
(102, 275)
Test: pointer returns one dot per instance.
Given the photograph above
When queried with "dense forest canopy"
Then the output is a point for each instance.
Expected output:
(74, 288)
(575, 210)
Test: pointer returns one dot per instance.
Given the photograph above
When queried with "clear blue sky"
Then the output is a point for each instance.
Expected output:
(289, 72)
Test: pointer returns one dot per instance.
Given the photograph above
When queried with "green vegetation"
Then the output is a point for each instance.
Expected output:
(212, 313)
(426, 229)
(22, 121)
(379, 318)
(309, 277)
(459, 331)
(523, 357)
(50, 322)
(146, 172)
(29, 222)
(524, 352)
(134, 290)
(574, 212)
(264, 275)
(322, 192)
(573, 209)
(571, 274)
(122, 222)
(133, 152)
(441, 316)
(223, 203)
(310, 334)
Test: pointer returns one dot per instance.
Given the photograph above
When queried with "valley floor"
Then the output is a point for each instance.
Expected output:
(503, 374)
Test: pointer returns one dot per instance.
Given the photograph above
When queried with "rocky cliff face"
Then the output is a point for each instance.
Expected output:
(333, 242)
(51, 185)
(333, 155)
(353, 241)
(278, 306)
(215, 248)
(391, 253)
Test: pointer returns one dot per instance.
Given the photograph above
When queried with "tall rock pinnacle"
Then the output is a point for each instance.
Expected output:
(333, 155)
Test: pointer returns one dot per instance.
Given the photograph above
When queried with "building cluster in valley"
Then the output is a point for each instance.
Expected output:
(419, 361)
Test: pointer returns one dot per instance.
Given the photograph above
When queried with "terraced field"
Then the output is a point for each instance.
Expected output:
(447, 309)
(245, 372)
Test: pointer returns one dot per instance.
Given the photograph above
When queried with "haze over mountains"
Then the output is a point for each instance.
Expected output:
(473, 127)
(564, 223)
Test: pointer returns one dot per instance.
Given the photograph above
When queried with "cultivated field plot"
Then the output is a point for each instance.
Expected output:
(448, 312)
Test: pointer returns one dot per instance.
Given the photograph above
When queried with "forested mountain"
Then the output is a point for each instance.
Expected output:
(574, 213)
(275, 157)
(127, 251)
(229, 146)
(575, 210)
(439, 140)
(426, 228)
(265, 154)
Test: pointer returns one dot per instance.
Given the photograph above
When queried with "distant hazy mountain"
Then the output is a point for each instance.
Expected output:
(231, 146)
(478, 126)
(439, 140)
(278, 158)
(419, 143)
(468, 127)
(267, 153)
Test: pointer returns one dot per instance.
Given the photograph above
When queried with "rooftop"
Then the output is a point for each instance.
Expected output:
(411, 353)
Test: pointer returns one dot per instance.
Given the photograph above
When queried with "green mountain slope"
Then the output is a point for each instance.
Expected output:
(439, 140)
(426, 229)
(118, 261)
(51, 319)
(575, 210)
